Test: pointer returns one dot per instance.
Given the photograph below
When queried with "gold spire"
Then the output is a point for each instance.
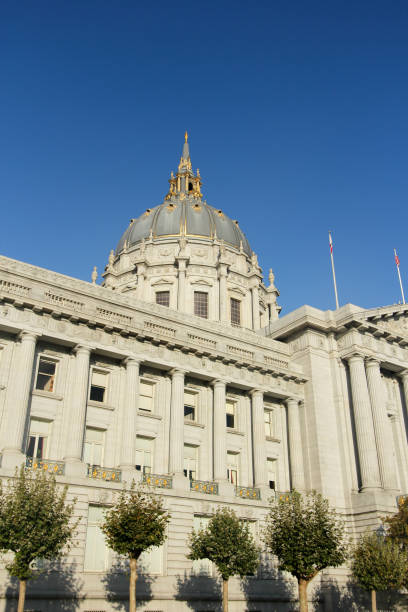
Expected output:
(186, 137)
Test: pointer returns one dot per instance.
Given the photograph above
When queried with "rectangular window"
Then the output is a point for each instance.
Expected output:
(201, 567)
(146, 396)
(230, 414)
(190, 405)
(96, 550)
(233, 467)
(201, 304)
(99, 384)
(144, 454)
(163, 298)
(235, 312)
(268, 418)
(46, 375)
(190, 461)
(271, 467)
(94, 446)
(38, 439)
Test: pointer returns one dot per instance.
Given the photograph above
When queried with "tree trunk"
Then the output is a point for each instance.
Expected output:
(21, 595)
(302, 583)
(224, 595)
(374, 601)
(132, 585)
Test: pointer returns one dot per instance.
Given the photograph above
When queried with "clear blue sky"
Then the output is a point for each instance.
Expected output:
(297, 114)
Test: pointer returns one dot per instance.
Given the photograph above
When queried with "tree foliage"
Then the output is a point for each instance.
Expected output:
(227, 542)
(136, 522)
(398, 525)
(34, 520)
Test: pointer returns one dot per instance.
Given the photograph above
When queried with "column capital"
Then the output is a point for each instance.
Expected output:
(253, 392)
(28, 336)
(355, 357)
(372, 362)
(81, 349)
(132, 361)
(218, 382)
(175, 372)
(404, 374)
(290, 401)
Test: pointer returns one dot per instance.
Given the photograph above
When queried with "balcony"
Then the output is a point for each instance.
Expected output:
(248, 492)
(101, 473)
(158, 480)
(203, 486)
(283, 495)
(48, 465)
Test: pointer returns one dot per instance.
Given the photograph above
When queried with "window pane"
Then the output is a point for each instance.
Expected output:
(189, 398)
(40, 448)
(146, 388)
(37, 426)
(30, 447)
(230, 421)
(235, 312)
(190, 452)
(97, 394)
(144, 443)
(45, 375)
(46, 367)
(201, 304)
(96, 551)
(163, 298)
(189, 413)
(94, 435)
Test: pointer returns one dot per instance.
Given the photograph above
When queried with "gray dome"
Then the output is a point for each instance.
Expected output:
(188, 217)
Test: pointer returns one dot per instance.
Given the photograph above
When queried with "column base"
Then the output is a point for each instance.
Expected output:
(130, 474)
(226, 489)
(12, 459)
(75, 468)
(180, 482)
(266, 493)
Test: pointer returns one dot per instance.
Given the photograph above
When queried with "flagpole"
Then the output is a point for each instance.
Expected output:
(334, 273)
(399, 275)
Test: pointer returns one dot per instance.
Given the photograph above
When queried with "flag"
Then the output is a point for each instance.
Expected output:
(331, 243)
(397, 261)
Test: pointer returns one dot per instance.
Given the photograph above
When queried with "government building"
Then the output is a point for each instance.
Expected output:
(178, 370)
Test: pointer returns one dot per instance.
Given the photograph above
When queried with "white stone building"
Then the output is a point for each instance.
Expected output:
(177, 370)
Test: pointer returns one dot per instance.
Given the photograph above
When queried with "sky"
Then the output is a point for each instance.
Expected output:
(297, 114)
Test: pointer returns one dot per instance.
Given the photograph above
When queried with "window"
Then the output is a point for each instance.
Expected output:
(163, 298)
(96, 550)
(99, 383)
(190, 461)
(269, 429)
(46, 375)
(144, 454)
(231, 414)
(190, 405)
(201, 304)
(146, 395)
(201, 567)
(232, 467)
(94, 446)
(271, 466)
(235, 312)
(38, 439)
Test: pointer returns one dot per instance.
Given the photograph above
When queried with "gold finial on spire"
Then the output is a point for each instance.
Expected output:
(186, 137)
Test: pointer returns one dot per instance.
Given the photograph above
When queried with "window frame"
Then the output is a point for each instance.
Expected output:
(106, 373)
(275, 461)
(107, 556)
(50, 359)
(195, 406)
(191, 474)
(143, 468)
(238, 321)
(234, 402)
(233, 468)
(162, 292)
(197, 305)
(270, 422)
(152, 384)
(95, 444)
(36, 436)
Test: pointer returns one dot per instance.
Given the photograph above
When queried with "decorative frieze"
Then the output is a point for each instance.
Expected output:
(236, 350)
(64, 302)
(273, 361)
(115, 317)
(14, 288)
(159, 329)
(203, 341)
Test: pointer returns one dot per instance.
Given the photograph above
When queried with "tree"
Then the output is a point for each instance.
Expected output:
(398, 524)
(306, 536)
(134, 524)
(378, 564)
(226, 542)
(34, 523)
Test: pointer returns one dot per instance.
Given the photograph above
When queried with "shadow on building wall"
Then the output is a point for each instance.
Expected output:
(269, 587)
(57, 588)
(351, 598)
(200, 593)
(116, 583)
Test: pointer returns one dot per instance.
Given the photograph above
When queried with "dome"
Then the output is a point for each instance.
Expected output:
(189, 217)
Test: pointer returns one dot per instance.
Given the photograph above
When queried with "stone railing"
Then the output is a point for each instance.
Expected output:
(64, 302)
(48, 465)
(283, 495)
(101, 473)
(14, 288)
(401, 499)
(157, 480)
(248, 492)
(203, 486)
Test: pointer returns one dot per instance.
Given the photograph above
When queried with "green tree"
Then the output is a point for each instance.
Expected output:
(378, 564)
(397, 525)
(306, 536)
(134, 524)
(227, 542)
(34, 523)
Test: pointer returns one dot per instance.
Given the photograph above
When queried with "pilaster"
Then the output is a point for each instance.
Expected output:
(258, 438)
(297, 472)
(128, 418)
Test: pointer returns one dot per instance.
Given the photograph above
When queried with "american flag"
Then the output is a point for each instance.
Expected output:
(397, 261)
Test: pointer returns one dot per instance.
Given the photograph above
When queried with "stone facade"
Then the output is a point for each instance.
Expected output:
(101, 385)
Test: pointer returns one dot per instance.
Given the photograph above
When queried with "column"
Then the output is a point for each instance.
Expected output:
(220, 432)
(255, 308)
(223, 293)
(17, 402)
(177, 423)
(297, 473)
(77, 407)
(404, 378)
(367, 450)
(129, 415)
(382, 427)
(258, 438)
(181, 299)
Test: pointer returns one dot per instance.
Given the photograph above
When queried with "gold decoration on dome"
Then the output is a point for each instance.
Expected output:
(186, 137)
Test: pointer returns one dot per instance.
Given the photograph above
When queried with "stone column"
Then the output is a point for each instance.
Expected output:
(220, 432)
(297, 474)
(17, 402)
(258, 438)
(255, 308)
(223, 293)
(404, 378)
(78, 404)
(363, 418)
(381, 425)
(177, 423)
(181, 298)
(129, 416)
